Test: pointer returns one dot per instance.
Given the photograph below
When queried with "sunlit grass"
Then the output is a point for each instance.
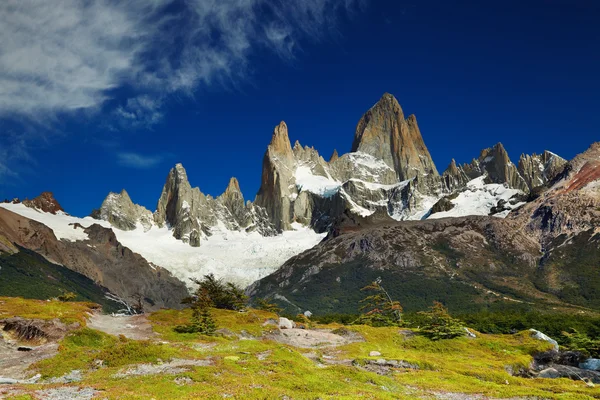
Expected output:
(252, 367)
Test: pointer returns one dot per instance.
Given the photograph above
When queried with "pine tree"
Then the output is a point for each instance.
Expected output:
(439, 324)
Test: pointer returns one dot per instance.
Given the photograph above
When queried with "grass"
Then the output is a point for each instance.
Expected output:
(263, 369)
(67, 312)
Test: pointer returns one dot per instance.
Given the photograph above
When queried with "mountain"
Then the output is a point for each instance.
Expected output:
(388, 176)
(96, 254)
(544, 253)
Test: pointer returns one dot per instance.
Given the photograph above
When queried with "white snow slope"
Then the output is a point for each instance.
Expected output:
(237, 257)
(478, 199)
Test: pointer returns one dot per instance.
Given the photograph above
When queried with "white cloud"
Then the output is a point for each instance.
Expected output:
(140, 161)
(63, 55)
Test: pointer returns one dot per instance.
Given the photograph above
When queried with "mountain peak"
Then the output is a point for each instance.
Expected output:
(383, 133)
(233, 186)
(334, 156)
(44, 202)
(280, 142)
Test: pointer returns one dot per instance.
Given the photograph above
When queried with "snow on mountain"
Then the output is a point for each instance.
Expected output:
(235, 256)
(317, 184)
(479, 198)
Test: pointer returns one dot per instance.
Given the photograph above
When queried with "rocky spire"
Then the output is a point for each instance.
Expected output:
(496, 163)
(454, 176)
(384, 133)
(277, 182)
(334, 156)
(280, 142)
(537, 170)
(179, 206)
(233, 200)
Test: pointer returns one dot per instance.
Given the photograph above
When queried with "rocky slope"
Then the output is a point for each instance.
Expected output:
(100, 257)
(545, 252)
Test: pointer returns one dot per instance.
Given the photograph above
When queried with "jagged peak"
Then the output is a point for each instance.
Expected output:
(44, 202)
(125, 195)
(388, 101)
(491, 153)
(280, 142)
(233, 186)
(452, 167)
(334, 156)
(179, 173)
(297, 145)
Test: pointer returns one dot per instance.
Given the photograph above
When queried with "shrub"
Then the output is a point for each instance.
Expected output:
(438, 324)
(576, 341)
(67, 296)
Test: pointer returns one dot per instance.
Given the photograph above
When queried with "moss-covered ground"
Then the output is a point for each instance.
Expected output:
(245, 364)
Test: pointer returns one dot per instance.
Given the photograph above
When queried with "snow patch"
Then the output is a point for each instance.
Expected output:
(317, 184)
(478, 199)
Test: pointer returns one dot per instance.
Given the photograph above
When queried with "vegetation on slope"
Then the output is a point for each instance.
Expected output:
(30, 275)
(261, 368)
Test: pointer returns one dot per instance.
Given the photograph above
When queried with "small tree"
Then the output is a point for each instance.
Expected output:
(263, 304)
(439, 324)
(222, 295)
(202, 320)
(379, 309)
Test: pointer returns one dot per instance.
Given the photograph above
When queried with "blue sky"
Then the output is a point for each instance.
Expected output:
(104, 95)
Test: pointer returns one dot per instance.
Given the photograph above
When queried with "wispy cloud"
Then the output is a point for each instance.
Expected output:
(65, 55)
(60, 57)
(140, 161)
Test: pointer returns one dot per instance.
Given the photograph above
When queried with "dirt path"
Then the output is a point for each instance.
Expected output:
(131, 326)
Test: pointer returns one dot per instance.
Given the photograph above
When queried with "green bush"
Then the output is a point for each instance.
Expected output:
(576, 341)
(438, 324)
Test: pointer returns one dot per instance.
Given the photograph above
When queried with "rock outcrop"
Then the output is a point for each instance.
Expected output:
(537, 170)
(45, 202)
(122, 213)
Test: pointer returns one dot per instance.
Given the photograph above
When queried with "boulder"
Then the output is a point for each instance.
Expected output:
(285, 323)
(374, 354)
(549, 373)
(540, 336)
(592, 364)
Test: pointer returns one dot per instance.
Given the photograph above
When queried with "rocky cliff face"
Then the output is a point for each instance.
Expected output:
(537, 170)
(384, 133)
